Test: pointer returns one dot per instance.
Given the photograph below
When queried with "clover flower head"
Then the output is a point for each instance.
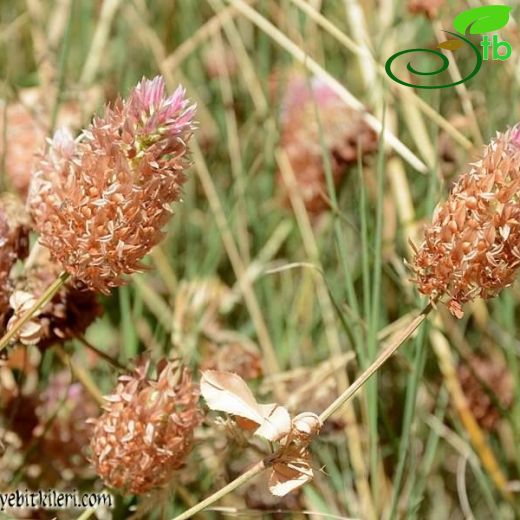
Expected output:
(314, 122)
(471, 248)
(100, 201)
(146, 431)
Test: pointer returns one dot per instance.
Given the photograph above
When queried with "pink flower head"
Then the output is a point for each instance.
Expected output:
(101, 201)
(515, 135)
(342, 129)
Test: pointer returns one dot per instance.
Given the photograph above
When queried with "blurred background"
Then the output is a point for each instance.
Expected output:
(285, 262)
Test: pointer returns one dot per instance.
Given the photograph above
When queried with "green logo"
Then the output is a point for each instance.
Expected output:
(473, 21)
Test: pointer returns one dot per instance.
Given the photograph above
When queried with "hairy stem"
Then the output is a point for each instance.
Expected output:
(45, 298)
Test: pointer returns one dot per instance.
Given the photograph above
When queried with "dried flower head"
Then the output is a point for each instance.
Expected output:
(146, 431)
(19, 416)
(71, 310)
(198, 306)
(21, 303)
(487, 372)
(220, 61)
(471, 248)
(239, 356)
(340, 127)
(14, 245)
(430, 8)
(63, 409)
(25, 124)
(101, 201)
(24, 136)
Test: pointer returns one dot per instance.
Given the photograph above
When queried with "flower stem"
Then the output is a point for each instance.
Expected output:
(103, 355)
(45, 298)
(234, 484)
(376, 365)
(81, 375)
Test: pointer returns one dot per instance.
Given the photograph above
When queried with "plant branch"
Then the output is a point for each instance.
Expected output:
(326, 414)
(109, 359)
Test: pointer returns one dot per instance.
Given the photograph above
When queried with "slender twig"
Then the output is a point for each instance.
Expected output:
(80, 374)
(234, 484)
(114, 362)
(45, 298)
(376, 365)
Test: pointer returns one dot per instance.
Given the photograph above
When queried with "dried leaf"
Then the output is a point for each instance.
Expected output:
(293, 471)
(276, 424)
(228, 392)
(246, 424)
(307, 424)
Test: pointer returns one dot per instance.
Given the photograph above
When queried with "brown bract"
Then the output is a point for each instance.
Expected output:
(471, 248)
(100, 202)
(146, 431)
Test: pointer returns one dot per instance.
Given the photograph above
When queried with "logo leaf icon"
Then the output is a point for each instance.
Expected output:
(451, 45)
(482, 19)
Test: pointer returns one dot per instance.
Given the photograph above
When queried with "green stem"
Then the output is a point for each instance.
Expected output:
(45, 298)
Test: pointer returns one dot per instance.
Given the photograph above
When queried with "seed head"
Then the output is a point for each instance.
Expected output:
(101, 201)
(474, 377)
(471, 248)
(239, 356)
(146, 431)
